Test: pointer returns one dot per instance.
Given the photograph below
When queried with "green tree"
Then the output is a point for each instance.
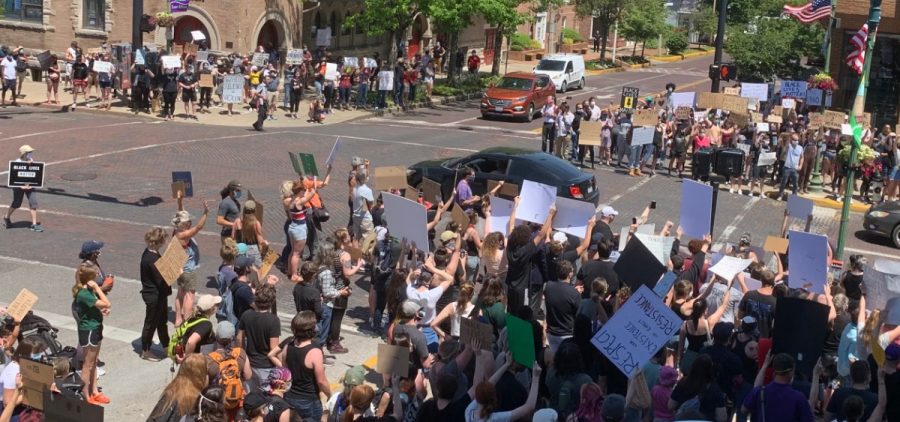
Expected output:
(644, 19)
(606, 12)
(705, 21)
(771, 48)
(451, 17)
(393, 17)
(504, 16)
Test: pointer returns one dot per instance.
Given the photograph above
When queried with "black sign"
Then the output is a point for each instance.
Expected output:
(25, 174)
(629, 97)
(45, 59)
(60, 408)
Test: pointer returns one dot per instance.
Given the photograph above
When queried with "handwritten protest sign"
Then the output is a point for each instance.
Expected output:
(590, 133)
(294, 57)
(232, 89)
(756, 117)
(774, 118)
(683, 99)
(572, 216)
(20, 306)
(766, 159)
(761, 128)
(260, 59)
(432, 190)
(334, 151)
(814, 97)
(734, 104)
(102, 67)
(36, 378)
(732, 90)
(642, 135)
(834, 119)
(624, 234)
(808, 259)
(536, 200)
(407, 219)
(520, 339)
(645, 117)
(268, 262)
(793, 89)
(739, 119)
(637, 331)
(864, 120)
(758, 91)
(470, 329)
(392, 360)
(696, 208)
(171, 62)
(659, 246)
(390, 177)
(202, 56)
(682, 113)
(799, 207)
(707, 100)
(729, 266)
(206, 80)
(172, 261)
(816, 120)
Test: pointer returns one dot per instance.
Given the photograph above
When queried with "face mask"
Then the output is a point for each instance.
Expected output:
(470, 179)
(28, 156)
(37, 356)
(237, 194)
(794, 143)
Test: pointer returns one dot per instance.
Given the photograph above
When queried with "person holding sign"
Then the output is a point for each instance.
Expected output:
(89, 308)
(11, 377)
(155, 293)
(303, 357)
(521, 247)
(187, 283)
(298, 229)
(26, 155)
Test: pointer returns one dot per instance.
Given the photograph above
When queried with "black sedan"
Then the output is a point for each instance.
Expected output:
(511, 165)
(884, 220)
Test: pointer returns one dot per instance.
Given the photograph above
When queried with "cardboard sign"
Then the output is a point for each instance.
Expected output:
(171, 62)
(645, 117)
(406, 219)
(178, 187)
(268, 261)
(730, 266)
(756, 117)
(638, 266)
(683, 113)
(696, 208)
(816, 120)
(799, 207)
(470, 329)
(707, 100)
(172, 261)
(665, 284)
(389, 177)
(294, 57)
(793, 89)
(766, 159)
(59, 408)
(36, 378)
(642, 135)
(411, 193)
(536, 200)
(334, 152)
(758, 91)
(734, 104)
(23, 173)
(459, 216)
(808, 260)
(590, 133)
(232, 89)
(865, 120)
(432, 190)
(189, 48)
(776, 244)
(774, 118)
(501, 211)
(637, 331)
(520, 340)
(572, 216)
(20, 306)
(508, 190)
(882, 283)
(186, 178)
(206, 80)
(834, 119)
(732, 90)
(682, 99)
(392, 360)
(800, 331)
(102, 67)
(629, 97)
(260, 59)
(739, 120)
(202, 56)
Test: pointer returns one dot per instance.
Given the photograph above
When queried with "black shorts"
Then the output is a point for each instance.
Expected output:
(188, 95)
(88, 338)
(20, 194)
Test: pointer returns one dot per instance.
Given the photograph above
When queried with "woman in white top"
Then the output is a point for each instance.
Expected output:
(461, 309)
(493, 250)
(564, 121)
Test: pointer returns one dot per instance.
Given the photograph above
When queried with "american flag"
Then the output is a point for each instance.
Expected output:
(857, 56)
(810, 12)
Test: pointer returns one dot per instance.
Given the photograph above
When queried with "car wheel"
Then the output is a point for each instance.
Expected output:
(581, 85)
(484, 116)
(564, 87)
(895, 236)
(529, 115)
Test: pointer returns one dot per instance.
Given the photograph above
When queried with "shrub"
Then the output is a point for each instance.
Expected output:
(677, 42)
(521, 42)
(571, 34)
(568, 41)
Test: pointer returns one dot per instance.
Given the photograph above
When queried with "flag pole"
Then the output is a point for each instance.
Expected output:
(858, 109)
(827, 44)
(816, 183)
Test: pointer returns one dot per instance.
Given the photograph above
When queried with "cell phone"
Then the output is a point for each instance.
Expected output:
(652, 205)
(633, 220)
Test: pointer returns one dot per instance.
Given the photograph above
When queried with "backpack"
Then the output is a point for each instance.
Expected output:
(226, 308)
(230, 377)
(178, 336)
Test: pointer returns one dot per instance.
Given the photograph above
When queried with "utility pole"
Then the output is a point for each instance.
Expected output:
(815, 182)
(858, 108)
(720, 42)
(827, 44)
(137, 37)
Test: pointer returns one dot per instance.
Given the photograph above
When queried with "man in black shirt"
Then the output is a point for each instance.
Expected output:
(607, 215)
(188, 83)
(760, 303)
(727, 364)
(519, 250)
(80, 73)
(599, 266)
(561, 299)
(261, 329)
(307, 296)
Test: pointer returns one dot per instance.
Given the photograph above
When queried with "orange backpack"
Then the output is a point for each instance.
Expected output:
(230, 377)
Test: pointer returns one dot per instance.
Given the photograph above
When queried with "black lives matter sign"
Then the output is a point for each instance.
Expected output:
(25, 174)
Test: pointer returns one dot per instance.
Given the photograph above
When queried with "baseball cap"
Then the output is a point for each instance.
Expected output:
(354, 376)
(243, 262)
(447, 236)
(722, 331)
(254, 401)
(892, 352)
(207, 302)
(25, 149)
(234, 184)
(560, 237)
(224, 330)
(409, 308)
(91, 246)
(783, 363)
(613, 407)
(250, 205)
(608, 211)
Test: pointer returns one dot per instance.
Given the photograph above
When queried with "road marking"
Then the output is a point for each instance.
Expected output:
(27, 135)
(737, 220)
(633, 188)
(58, 267)
(106, 219)
(385, 141)
(445, 126)
(865, 252)
(459, 121)
(67, 322)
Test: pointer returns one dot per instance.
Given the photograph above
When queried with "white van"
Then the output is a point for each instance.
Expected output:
(565, 70)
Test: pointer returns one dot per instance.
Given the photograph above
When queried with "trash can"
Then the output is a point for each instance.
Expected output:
(37, 75)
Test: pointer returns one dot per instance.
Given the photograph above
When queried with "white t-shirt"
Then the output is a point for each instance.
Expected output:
(9, 67)
(360, 210)
(8, 377)
(430, 296)
(385, 80)
(473, 412)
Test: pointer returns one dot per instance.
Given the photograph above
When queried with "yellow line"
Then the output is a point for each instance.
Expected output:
(371, 362)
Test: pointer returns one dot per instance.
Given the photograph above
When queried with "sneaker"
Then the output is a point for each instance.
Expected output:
(150, 356)
(100, 398)
(337, 349)
(36, 228)
(7, 223)
(731, 190)
(100, 371)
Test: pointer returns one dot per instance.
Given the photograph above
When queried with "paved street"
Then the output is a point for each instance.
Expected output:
(109, 179)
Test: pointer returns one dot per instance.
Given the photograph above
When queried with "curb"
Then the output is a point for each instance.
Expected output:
(830, 203)
(681, 57)
(599, 72)
(425, 104)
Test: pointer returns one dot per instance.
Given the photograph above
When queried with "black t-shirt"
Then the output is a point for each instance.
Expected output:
(603, 230)
(510, 392)
(761, 307)
(727, 364)
(170, 83)
(153, 285)
(833, 338)
(258, 328)
(518, 275)
(711, 398)
(80, 71)
(205, 330)
(308, 298)
(243, 298)
(188, 80)
(561, 300)
(836, 404)
(277, 406)
(453, 412)
(851, 283)
(419, 345)
(590, 270)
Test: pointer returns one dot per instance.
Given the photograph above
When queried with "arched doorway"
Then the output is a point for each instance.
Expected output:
(415, 37)
(183, 28)
(269, 36)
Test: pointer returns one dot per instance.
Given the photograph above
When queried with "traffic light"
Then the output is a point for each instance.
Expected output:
(714, 71)
(727, 72)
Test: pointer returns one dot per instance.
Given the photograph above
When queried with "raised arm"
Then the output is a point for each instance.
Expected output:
(512, 216)
(878, 413)
(195, 229)
(586, 242)
(546, 228)
(717, 315)
(526, 409)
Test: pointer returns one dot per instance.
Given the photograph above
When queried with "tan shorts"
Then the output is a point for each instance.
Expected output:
(188, 282)
(272, 97)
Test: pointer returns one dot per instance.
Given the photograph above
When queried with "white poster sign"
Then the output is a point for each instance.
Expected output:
(406, 220)
(323, 37)
(232, 89)
(370, 62)
(294, 57)
(331, 71)
(758, 91)
(637, 331)
(683, 99)
(766, 159)
(351, 62)
(334, 150)
(102, 67)
(814, 97)
(808, 260)
(729, 266)
(260, 59)
(171, 62)
(643, 135)
(139, 58)
(793, 89)
(643, 228)
(572, 216)
(202, 56)
(501, 211)
(788, 103)
(762, 128)
(198, 35)
(696, 208)
(659, 246)
(535, 201)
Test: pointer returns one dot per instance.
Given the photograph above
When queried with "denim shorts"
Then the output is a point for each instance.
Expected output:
(895, 174)
(308, 409)
(298, 230)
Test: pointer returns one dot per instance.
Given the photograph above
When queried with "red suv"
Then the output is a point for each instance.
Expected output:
(517, 94)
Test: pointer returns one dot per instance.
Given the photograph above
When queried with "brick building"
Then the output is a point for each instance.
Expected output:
(883, 97)
(539, 26)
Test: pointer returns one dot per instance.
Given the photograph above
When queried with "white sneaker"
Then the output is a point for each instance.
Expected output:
(731, 190)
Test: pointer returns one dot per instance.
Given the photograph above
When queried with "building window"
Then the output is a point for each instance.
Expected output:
(24, 10)
(94, 12)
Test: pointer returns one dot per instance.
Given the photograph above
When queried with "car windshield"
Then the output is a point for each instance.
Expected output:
(519, 84)
(551, 65)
